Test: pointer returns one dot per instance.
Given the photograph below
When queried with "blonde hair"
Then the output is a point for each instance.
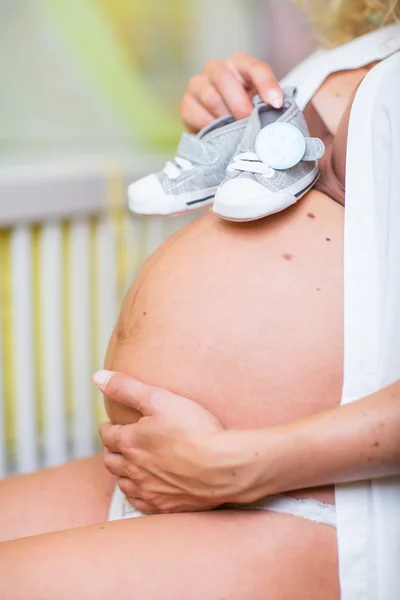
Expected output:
(339, 21)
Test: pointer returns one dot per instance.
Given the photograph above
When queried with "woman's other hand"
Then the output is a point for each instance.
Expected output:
(178, 457)
(227, 87)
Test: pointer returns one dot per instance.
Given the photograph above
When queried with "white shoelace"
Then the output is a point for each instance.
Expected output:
(250, 162)
(173, 169)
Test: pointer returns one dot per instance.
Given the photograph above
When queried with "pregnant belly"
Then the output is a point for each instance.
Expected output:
(246, 319)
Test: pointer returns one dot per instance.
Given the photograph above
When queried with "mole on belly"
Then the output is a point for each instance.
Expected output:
(311, 215)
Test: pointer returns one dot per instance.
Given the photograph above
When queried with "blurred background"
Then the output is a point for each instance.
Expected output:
(89, 101)
(105, 76)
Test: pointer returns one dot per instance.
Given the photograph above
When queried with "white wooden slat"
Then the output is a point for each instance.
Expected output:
(106, 298)
(53, 364)
(3, 441)
(79, 274)
(23, 359)
(134, 235)
(176, 223)
(156, 233)
(143, 236)
(60, 189)
(106, 291)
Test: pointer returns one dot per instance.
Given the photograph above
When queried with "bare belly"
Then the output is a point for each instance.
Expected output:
(246, 319)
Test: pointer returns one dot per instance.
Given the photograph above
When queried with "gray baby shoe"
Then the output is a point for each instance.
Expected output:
(190, 181)
(274, 165)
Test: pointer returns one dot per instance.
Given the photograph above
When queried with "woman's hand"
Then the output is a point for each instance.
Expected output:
(227, 87)
(178, 457)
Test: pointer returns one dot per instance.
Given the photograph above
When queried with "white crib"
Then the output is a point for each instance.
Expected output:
(68, 249)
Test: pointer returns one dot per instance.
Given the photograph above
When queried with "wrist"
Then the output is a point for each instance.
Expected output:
(264, 458)
(246, 464)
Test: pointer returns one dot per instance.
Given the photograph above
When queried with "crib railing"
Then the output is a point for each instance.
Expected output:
(68, 250)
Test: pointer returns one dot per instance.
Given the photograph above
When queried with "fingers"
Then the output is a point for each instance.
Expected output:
(136, 497)
(142, 506)
(260, 75)
(118, 438)
(111, 436)
(125, 390)
(193, 114)
(201, 88)
(226, 87)
(145, 503)
(129, 488)
(121, 466)
(115, 463)
(229, 88)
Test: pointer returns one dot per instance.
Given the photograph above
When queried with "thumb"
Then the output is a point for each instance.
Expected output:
(125, 390)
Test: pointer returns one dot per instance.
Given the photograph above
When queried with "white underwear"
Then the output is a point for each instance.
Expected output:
(309, 509)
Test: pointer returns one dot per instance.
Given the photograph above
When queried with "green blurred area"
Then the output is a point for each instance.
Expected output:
(119, 44)
(85, 74)
(105, 77)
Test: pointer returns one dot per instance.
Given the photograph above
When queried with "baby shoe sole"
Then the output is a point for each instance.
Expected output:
(270, 204)
(169, 206)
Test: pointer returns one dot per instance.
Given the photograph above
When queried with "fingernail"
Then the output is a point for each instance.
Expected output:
(102, 378)
(275, 98)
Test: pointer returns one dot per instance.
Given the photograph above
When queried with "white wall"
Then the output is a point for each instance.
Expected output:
(221, 27)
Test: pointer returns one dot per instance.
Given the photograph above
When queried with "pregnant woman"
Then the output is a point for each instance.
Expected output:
(247, 322)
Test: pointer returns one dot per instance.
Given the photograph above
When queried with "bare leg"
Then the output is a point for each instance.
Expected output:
(74, 495)
(211, 556)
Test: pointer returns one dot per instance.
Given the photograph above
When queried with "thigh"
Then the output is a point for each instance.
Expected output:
(209, 556)
(73, 495)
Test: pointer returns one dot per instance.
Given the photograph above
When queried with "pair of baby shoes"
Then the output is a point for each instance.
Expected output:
(246, 169)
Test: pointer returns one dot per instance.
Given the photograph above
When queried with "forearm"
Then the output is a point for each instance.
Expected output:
(351, 443)
(182, 458)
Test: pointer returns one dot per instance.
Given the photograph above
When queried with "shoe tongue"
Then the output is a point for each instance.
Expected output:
(255, 124)
(257, 100)
(253, 128)
(221, 122)
(196, 148)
